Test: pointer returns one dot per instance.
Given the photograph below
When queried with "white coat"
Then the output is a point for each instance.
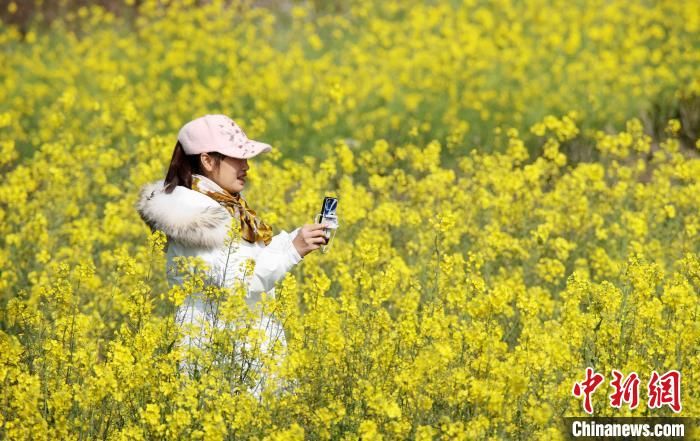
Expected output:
(197, 225)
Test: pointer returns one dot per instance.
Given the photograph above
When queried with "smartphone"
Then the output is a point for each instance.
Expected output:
(328, 215)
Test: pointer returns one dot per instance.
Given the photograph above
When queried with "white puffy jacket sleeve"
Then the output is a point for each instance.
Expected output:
(273, 262)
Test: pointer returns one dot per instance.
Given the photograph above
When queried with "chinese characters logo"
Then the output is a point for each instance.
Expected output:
(661, 389)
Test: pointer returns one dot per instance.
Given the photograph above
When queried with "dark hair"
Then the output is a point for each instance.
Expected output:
(182, 167)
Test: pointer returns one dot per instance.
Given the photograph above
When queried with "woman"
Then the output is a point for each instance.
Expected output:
(195, 205)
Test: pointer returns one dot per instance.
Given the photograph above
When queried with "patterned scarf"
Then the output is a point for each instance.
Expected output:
(252, 227)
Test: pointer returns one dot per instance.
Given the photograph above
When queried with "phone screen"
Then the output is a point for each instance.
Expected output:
(329, 206)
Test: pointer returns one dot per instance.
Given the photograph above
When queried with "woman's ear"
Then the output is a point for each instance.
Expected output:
(207, 162)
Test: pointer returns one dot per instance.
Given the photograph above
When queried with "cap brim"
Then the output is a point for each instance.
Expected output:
(249, 149)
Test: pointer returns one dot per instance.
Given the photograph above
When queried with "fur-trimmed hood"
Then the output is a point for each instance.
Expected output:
(187, 216)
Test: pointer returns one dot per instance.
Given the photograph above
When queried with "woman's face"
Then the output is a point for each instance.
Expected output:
(231, 174)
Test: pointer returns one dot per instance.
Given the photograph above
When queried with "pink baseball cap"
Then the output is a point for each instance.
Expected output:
(221, 134)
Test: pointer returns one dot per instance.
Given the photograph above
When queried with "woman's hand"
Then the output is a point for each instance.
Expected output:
(310, 237)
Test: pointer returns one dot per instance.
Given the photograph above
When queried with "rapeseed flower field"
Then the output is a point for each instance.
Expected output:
(518, 188)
